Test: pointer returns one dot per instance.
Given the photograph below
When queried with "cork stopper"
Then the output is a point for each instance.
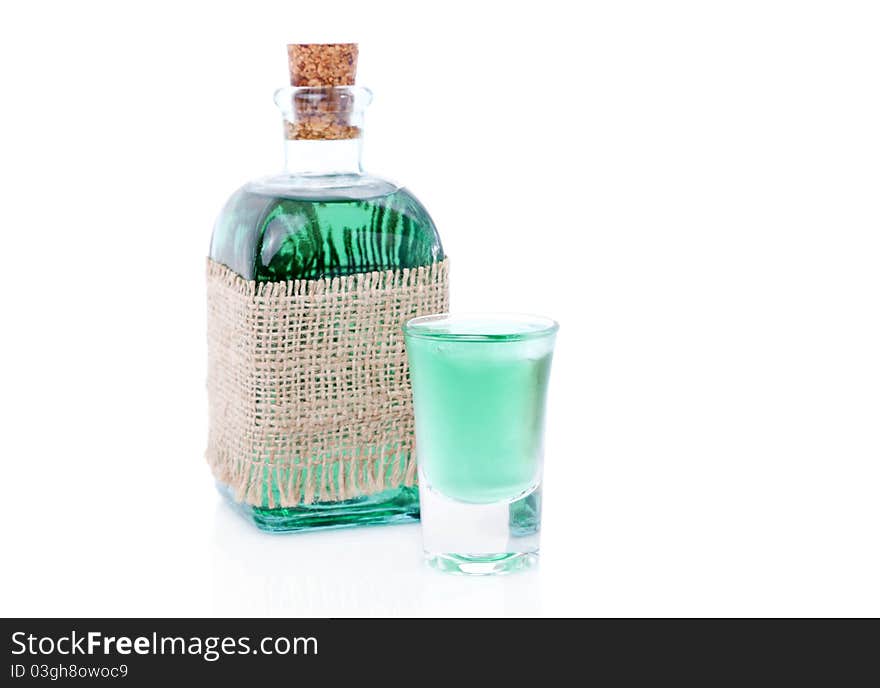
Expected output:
(322, 109)
(322, 64)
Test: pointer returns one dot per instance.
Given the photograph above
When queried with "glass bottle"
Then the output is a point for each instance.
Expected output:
(324, 217)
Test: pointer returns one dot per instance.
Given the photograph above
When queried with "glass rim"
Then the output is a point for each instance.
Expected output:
(545, 327)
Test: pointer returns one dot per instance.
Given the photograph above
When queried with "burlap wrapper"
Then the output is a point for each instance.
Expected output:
(308, 383)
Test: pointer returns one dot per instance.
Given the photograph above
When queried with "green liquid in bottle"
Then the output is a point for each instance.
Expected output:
(268, 238)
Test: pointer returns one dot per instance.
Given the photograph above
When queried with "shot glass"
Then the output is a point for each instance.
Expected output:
(479, 390)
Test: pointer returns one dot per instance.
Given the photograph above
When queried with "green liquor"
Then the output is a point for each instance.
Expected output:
(479, 406)
(480, 388)
(267, 237)
(322, 220)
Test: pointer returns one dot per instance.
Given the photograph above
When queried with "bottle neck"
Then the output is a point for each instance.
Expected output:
(323, 157)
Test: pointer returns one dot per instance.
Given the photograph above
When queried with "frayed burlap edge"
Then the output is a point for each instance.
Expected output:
(308, 383)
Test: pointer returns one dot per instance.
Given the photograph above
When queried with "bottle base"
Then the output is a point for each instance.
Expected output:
(397, 505)
(481, 564)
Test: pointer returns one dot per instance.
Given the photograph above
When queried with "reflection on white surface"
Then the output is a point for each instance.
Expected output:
(374, 571)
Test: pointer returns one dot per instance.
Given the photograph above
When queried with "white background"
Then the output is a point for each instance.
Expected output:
(690, 188)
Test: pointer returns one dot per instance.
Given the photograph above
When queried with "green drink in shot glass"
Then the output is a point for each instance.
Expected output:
(479, 391)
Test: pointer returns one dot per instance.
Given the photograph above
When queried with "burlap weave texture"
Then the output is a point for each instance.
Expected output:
(308, 383)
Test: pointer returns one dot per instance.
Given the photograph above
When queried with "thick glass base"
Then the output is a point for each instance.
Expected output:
(480, 538)
(481, 565)
(397, 505)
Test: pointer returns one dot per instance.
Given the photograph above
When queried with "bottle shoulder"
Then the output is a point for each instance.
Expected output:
(280, 227)
(322, 187)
